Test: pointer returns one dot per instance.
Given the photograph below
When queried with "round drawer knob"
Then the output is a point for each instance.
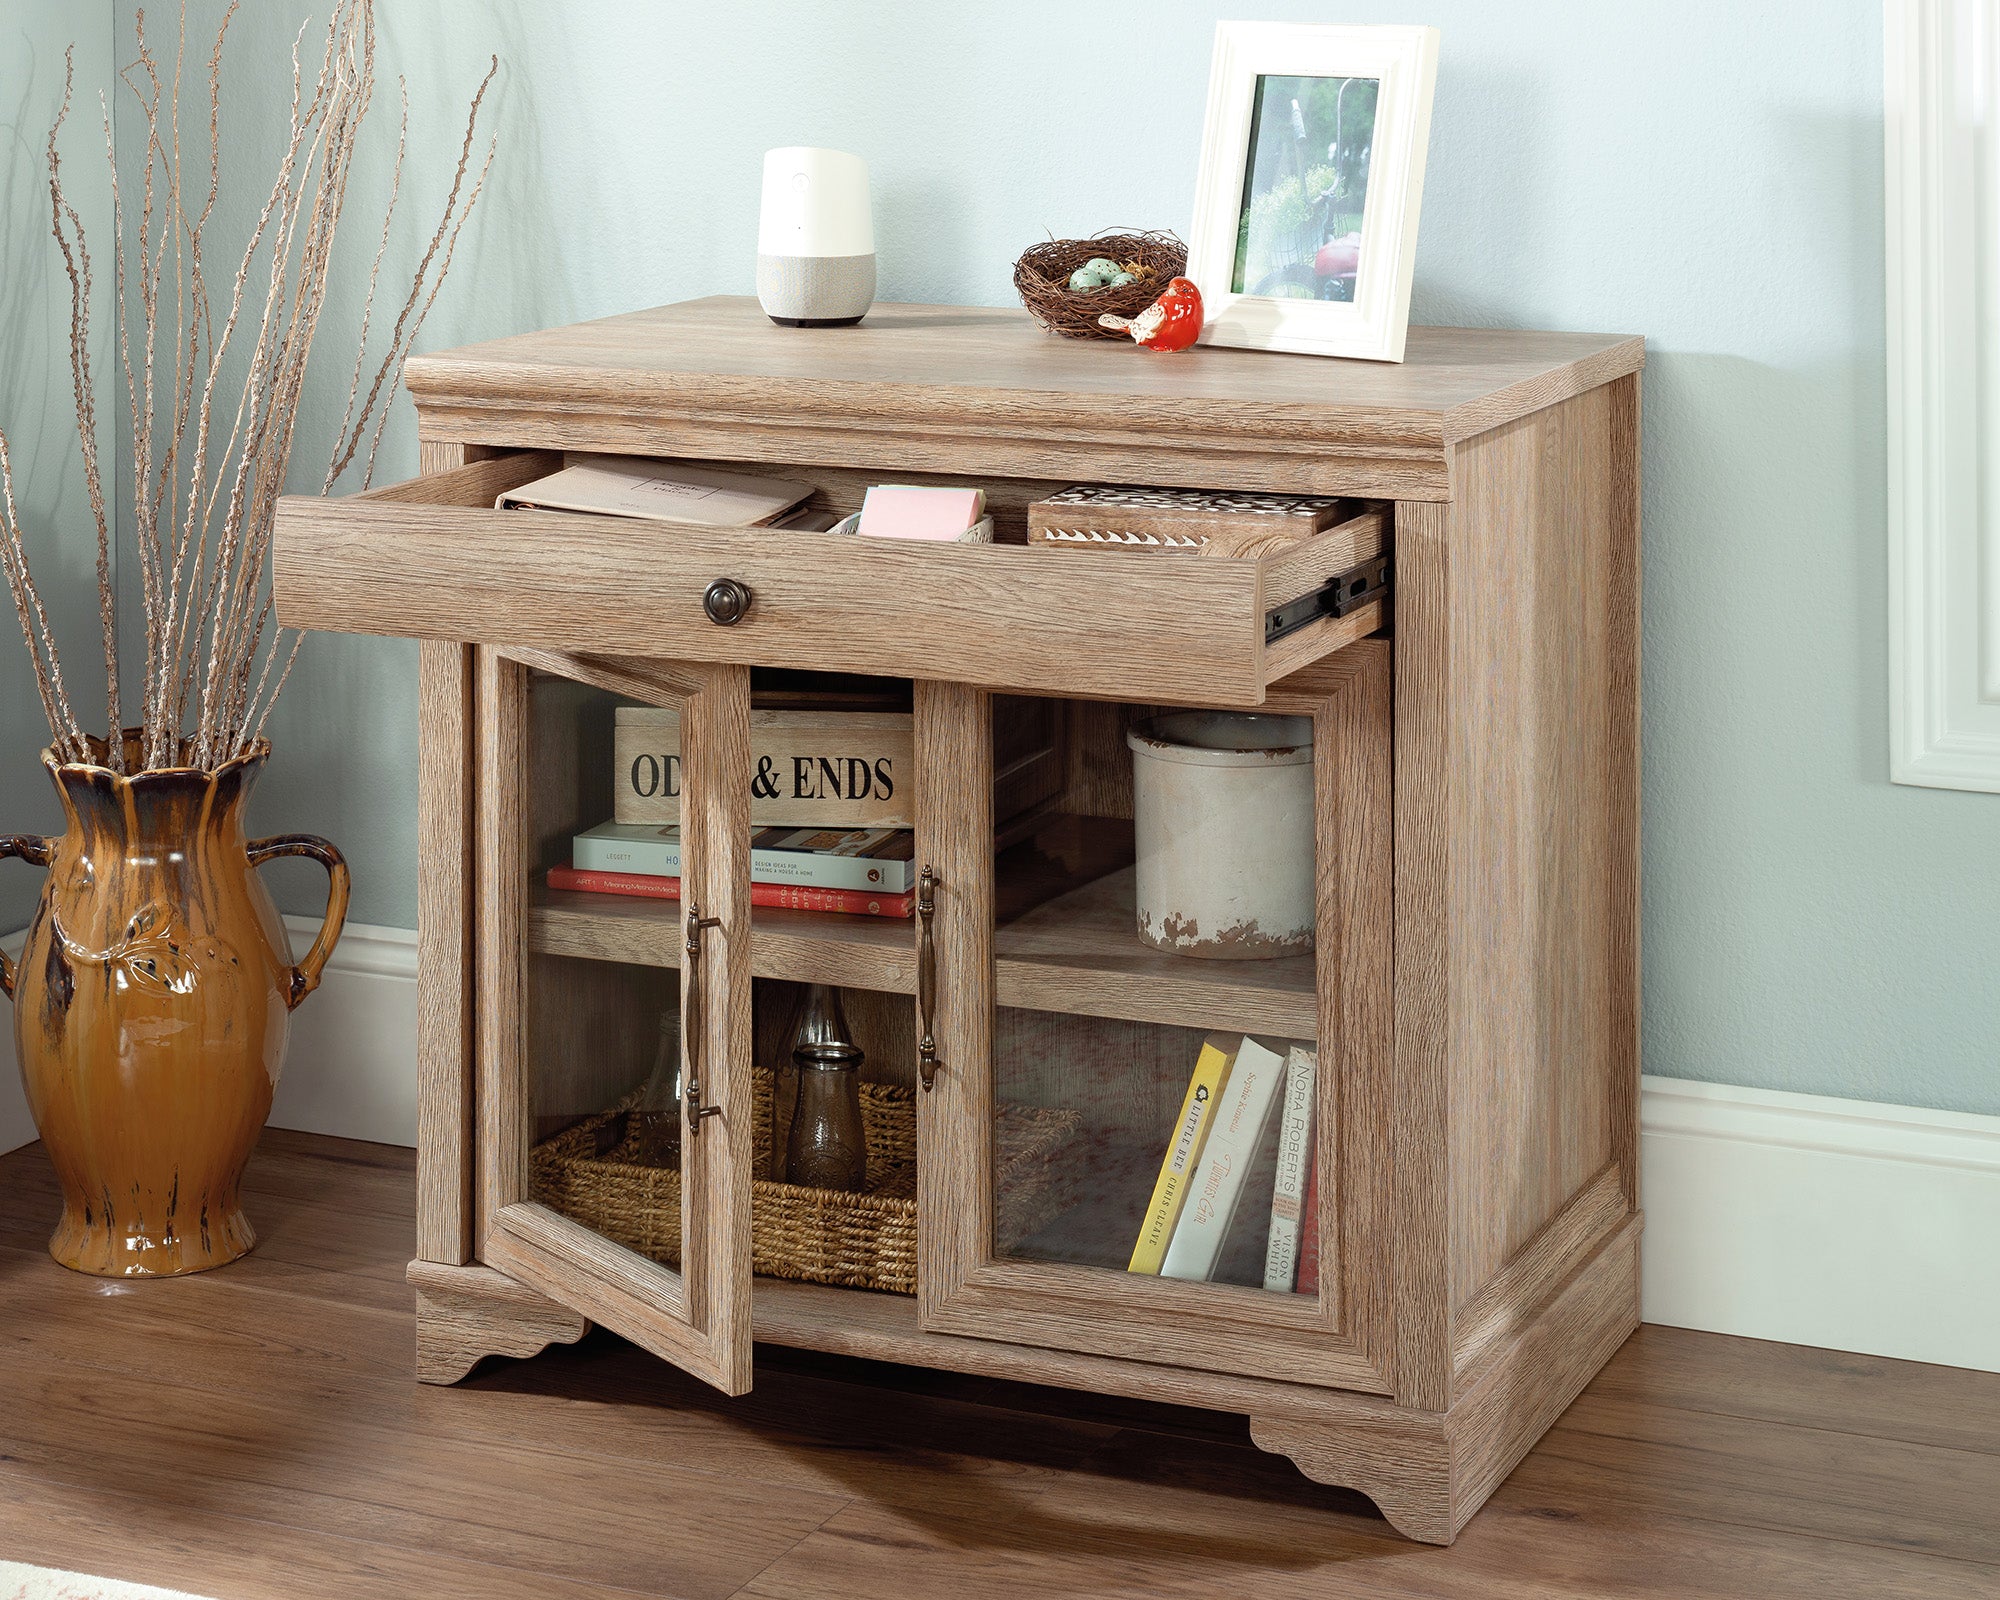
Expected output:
(725, 601)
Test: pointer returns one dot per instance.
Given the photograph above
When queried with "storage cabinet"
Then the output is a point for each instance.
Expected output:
(1471, 994)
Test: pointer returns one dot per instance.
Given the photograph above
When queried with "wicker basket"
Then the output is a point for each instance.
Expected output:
(1041, 278)
(859, 1241)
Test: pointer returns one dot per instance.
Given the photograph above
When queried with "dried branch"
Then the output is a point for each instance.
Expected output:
(76, 263)
(208, 467)
(68, 739)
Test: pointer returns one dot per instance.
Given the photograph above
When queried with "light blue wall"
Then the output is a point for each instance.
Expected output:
(1702, 173)
(40, 425)
(35, 407)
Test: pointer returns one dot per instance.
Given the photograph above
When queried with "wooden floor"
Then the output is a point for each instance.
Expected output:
(254, 1432)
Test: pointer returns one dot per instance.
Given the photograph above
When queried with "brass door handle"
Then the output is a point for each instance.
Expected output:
(927, 1056)
(691, 1019)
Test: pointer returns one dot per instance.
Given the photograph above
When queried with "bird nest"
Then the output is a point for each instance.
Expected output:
(1041, 277)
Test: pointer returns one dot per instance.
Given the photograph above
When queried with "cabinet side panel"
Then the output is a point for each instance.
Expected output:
(444, 930)
(1541, 872)
(1625, 775)
(500, 758)
(444, 953)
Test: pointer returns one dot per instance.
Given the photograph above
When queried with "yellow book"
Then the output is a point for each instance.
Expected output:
(1211, 1071)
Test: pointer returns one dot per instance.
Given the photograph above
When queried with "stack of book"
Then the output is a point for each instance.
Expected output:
(864, 872)
(1245, 1128)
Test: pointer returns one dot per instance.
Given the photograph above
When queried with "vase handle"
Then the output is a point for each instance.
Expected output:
(34, 850)
(305, 976)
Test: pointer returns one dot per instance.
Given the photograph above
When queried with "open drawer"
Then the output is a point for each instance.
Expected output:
(431, 558)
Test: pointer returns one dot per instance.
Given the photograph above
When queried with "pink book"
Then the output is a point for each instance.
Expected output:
(904, 511)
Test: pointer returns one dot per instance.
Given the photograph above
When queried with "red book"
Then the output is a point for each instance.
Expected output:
(786, 896)
(1308, 1279)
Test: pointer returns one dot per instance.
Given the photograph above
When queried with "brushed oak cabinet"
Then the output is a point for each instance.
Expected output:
(1472, 995)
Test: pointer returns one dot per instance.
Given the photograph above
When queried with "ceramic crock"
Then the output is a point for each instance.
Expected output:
(1223, 813)
(151, 1006)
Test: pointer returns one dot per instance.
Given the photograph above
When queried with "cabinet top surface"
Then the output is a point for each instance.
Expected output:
(1454, 381)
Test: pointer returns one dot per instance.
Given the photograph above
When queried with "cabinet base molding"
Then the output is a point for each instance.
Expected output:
(1426, 1471)
(465, 1314)
(1429, 1471)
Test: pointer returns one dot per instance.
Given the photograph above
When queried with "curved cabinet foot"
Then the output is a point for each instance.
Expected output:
(1429, 1471)
(465, 1314)
(1407, 1476)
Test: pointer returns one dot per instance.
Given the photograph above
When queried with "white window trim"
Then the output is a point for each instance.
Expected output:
(1942, 171)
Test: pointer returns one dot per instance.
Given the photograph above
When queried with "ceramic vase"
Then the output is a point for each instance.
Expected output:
(151, 1007)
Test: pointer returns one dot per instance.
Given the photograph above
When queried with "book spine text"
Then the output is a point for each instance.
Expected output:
(1295, 1129)
(1211, 1069)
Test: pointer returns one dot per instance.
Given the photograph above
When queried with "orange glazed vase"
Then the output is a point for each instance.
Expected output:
(151, 1006)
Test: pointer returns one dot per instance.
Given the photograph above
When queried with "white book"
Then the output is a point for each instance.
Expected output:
(1288, 1198)
(1238, 1128)
(627, 486)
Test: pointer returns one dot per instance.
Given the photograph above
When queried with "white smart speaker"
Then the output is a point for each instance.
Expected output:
(815, 238)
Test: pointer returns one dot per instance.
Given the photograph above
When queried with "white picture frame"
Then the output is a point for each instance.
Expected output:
(1283, 242)
(1941, 163)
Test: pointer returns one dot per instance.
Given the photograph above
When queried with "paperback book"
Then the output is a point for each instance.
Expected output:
(1190, 1135)
(1240, 1125)
(1295, 1136)
(629, 486)
(784, 896)
(875, 860)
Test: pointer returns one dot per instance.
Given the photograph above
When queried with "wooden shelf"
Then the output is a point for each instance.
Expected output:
(1081, 953)
(1077, 953)
(806, 946)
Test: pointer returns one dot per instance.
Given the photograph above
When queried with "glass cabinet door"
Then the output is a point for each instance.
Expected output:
(614, 1018)
(1160, 1011)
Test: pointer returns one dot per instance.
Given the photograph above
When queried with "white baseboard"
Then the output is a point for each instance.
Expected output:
(1839, 1223)
(351, 1067)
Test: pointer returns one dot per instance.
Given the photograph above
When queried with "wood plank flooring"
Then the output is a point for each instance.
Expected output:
(255, 1432)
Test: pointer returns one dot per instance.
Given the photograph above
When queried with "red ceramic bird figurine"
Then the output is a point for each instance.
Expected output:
(1172, 322)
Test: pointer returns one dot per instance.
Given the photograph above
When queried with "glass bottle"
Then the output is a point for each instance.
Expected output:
(826, 1148)
(656, 1120)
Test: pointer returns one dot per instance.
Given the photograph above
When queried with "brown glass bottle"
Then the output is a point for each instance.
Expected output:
(826, 1148)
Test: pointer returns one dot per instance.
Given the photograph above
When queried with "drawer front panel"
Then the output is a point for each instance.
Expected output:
(431, 559)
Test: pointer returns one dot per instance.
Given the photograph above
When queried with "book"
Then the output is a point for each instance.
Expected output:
(1238, 1128)
(786, 896)
(877, 860)
(1184, 1146)
(906, 511)
(821, 769)
(630, 486)
(1295, 1147)
(1176, 521)
(1308, 1279)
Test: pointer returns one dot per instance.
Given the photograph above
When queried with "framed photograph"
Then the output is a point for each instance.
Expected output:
(1312, 171)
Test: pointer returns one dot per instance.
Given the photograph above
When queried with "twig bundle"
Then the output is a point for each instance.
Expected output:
(209, 452)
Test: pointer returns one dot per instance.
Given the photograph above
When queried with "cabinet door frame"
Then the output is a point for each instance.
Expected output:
(697, 1318)
(1343, 1338)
